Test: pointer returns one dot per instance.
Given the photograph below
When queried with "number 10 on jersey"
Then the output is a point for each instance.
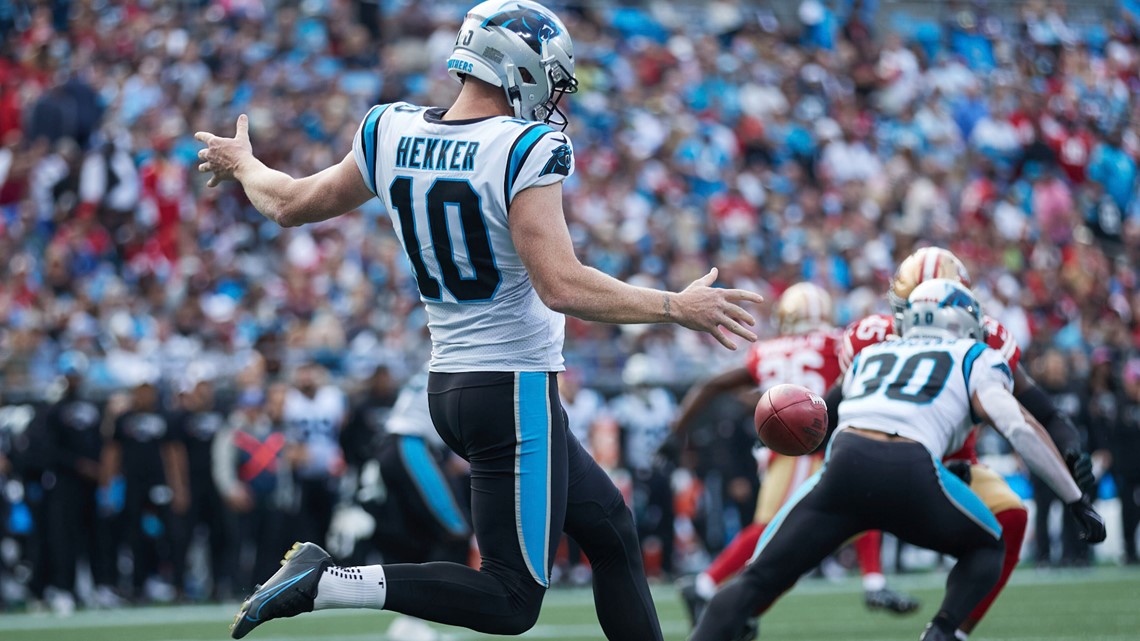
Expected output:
(461, 195)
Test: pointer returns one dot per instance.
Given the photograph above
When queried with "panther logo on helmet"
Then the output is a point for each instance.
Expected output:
(944, 308)
(533, 27)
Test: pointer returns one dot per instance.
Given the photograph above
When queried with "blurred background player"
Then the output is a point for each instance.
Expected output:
(643, 413)
(427, 522)
(314, 414)
(883, 467)
(805, 353)
(198, 421)
(251, 472)
(146, 450)
(74, 527)
(930, 263)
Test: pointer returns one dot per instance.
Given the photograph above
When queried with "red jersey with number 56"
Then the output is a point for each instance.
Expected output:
(880, 327)
(809, 360)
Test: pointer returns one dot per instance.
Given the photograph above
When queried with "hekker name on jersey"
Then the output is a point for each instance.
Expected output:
(877, 328)
(920, 388)
(448, 186)
(810, 360)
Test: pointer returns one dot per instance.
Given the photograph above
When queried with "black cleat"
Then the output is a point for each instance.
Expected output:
(694, 604)
(751, 630)
(932, 633)
(287, 593)
(891, 601)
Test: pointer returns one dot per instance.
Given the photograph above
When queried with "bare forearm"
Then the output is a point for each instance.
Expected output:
(269, 190)
(592, 295)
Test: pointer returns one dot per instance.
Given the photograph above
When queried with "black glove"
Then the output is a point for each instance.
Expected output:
(669, 453)
(961, 469)
(1091, 524)
(1080, 466)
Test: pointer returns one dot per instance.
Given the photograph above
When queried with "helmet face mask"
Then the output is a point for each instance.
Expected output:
(524, 49)
(942, 308)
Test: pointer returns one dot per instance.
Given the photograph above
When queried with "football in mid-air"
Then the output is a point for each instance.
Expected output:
(791, 420)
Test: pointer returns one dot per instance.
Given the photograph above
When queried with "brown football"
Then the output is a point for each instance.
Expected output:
(791, 420)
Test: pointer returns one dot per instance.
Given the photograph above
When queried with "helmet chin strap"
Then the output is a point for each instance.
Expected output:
(514, 94)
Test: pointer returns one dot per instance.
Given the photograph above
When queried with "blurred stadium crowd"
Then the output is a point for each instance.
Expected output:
(824, 144)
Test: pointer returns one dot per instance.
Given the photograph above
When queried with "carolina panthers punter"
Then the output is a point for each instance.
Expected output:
(474, 192)
(907, 403)
(934, 262)
(806, 352)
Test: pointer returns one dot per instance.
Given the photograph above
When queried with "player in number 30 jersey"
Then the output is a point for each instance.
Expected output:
(806, 353)
(930, 263)
(906, 404)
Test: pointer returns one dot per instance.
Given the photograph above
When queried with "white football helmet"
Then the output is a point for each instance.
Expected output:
(522, 47)
(942, 308)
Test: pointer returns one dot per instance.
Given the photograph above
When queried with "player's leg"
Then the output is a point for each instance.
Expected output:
(1043, 498)
(876, 594)
(939, 512)
(814, 521)
(784, 474)
(1129, 491)
(434, 503)
(1012, 516)
(502, 423)
(598, 519)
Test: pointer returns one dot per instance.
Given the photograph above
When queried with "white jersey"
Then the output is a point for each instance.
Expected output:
(587, 407)
(410, 415)
(315, 423)
(448, 186)
(920, 388)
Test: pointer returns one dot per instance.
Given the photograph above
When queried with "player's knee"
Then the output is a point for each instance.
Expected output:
(520, 603)
(523, 614)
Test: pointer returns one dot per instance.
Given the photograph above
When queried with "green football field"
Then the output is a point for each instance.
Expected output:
(1095, 605)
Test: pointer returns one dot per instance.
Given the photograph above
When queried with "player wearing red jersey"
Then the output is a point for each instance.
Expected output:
(933, 262)
(807, 354)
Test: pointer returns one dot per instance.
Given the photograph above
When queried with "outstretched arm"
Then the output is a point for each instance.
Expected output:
(997, 406)
(538, 229)
(279, 197)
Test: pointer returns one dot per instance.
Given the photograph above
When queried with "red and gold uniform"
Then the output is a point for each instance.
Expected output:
(810, 360)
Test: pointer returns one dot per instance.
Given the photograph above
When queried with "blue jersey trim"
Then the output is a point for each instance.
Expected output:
(967, 369)
(368, 142)
(521, 148)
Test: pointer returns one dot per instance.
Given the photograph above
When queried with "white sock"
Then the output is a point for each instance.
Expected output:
(705, 586)
(873, 582)
(359, 587)
(960, 636)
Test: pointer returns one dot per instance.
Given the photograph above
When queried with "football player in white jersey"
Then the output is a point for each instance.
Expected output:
(907, 403)
(474, 193)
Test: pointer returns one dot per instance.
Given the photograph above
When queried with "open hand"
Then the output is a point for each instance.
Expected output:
(223, 156)
(708, 309)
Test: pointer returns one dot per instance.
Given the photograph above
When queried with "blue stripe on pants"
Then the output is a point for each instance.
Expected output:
(782, 513)
(532, 471)
(432, 485)
(966, 501)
